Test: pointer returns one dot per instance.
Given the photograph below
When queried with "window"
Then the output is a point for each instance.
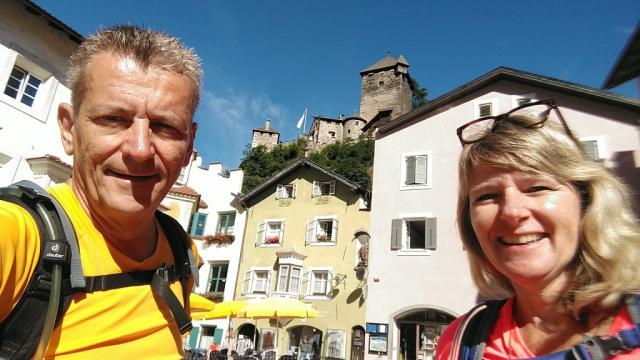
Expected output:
(322, 231)
(519, 100)
(286, 191)
(416, 170)
(256, 281)
(319, 283)
(270, 232)
(591, 149)
(217, 278)
(332, 134)
(225, 223)
(484, 107)
(198, 221)
(22, 86)
(414, 233)
(289, 277)
(324, 188)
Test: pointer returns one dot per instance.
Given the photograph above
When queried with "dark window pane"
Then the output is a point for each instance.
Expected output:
(30, 90)
(13, 83)
(415, 230)
(27, 100)
(34, 81)
(17, 73)
(11, 92)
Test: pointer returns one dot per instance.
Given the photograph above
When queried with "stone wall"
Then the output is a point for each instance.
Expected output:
(385, 90)
(267, 139)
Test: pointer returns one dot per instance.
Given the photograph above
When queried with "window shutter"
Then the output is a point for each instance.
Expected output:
(295, 191)
(396, 234)
(246, 282)
(334, 232)
(316, 188)
(279, 191)
(329, 283)
(421, 169)
(332, 187)
(283, 274)
(431, 233)
(282, 233)
(306, 279)
(260, 234)
(311, 230)
(267, 288)
(410, 174)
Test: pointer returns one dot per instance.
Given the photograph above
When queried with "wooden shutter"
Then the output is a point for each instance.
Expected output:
(295, 191)
(316, 188)
(332, 187)
(421, 169)
(279, 191)
(283, 275)
(282, 233)
(246, 282)
(431, 233)
(260, 234)
(311, 232)
(329, 285)
(268, 285)
(396, 234)
(410, 173)
(334, 231)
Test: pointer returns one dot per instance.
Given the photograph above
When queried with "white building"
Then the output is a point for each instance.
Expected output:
(34, 48)
(209, 213)
(418, 278)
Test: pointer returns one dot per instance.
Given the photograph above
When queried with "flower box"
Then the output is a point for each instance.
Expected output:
(272, 240)
(219, 239)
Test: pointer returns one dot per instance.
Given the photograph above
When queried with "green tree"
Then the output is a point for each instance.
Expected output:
(418, 94)
(353, 160)
(259, 163)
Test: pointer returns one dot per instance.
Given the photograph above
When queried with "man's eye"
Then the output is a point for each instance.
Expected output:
(538, 188)
(113, 118)
(485, 197)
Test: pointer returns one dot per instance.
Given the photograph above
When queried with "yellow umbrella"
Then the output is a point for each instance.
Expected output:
(225, 309)
(277, 308)
(199, 304)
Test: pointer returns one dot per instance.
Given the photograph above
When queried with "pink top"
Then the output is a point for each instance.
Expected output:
(505, 342)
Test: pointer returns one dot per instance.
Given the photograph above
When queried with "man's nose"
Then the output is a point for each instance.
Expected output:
(138, 145)
(514, 207)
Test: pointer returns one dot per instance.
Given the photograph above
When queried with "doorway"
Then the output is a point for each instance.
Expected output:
(419, 333)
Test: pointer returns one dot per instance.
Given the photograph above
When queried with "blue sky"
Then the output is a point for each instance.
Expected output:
(271, 59)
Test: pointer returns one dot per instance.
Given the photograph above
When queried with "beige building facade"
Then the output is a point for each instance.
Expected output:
(306, 238)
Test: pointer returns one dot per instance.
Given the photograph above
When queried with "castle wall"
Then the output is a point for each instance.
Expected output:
(385, 90)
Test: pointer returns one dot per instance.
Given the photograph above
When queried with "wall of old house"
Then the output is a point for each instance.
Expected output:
(385, 90)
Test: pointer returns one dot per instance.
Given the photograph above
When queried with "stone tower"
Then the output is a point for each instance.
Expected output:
(265, 136)
(386, 87)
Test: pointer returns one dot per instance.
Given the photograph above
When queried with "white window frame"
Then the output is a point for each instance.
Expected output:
(283, 193)
(403, 170)
(46, 91)
(311, 281)
(405, 250)
(313, 230)
(317, 188)
(287, 270)
(477, 103)
(249, 282)
(600, 144)
(515, 98)
(263, 233)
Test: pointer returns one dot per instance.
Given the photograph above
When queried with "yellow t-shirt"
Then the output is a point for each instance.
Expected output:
(128, 323)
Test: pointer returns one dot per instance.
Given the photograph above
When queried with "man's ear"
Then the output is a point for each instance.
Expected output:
(65, 122)
(187, 156)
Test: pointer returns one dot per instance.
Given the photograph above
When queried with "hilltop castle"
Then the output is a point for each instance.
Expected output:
(386, 93)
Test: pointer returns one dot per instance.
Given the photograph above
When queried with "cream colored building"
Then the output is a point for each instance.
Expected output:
(306, 238)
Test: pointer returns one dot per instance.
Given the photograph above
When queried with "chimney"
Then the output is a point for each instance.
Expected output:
(267, 124)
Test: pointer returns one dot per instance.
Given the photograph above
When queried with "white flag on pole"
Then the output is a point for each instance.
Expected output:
(303, 118)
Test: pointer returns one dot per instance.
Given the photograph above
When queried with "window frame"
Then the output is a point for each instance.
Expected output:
(599, 143)
(250, 279)
(262, 231)
(479, 102)
(318, 188)
(289, 279)
(516, 98)
(225, 230)
(400, 240)
(404, 165)
(312, 231)
(281, 190)
(210, 279)
(310, 293)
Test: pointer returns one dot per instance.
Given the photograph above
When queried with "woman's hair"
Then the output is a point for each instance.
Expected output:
(605, 266)
(145, 46)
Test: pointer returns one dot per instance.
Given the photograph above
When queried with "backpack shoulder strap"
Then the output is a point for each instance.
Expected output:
(33, 317)
(469, 340)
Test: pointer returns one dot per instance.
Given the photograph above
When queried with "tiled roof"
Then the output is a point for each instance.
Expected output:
(51, 158)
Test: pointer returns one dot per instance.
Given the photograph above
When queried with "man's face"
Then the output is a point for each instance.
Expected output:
(130, 136)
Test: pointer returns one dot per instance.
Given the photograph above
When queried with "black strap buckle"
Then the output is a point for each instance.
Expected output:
(605, 346)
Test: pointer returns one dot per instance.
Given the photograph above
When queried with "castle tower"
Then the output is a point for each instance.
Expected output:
(386, 87)
(265, 136)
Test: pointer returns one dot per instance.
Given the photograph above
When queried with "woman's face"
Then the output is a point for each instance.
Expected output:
(527, 224)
